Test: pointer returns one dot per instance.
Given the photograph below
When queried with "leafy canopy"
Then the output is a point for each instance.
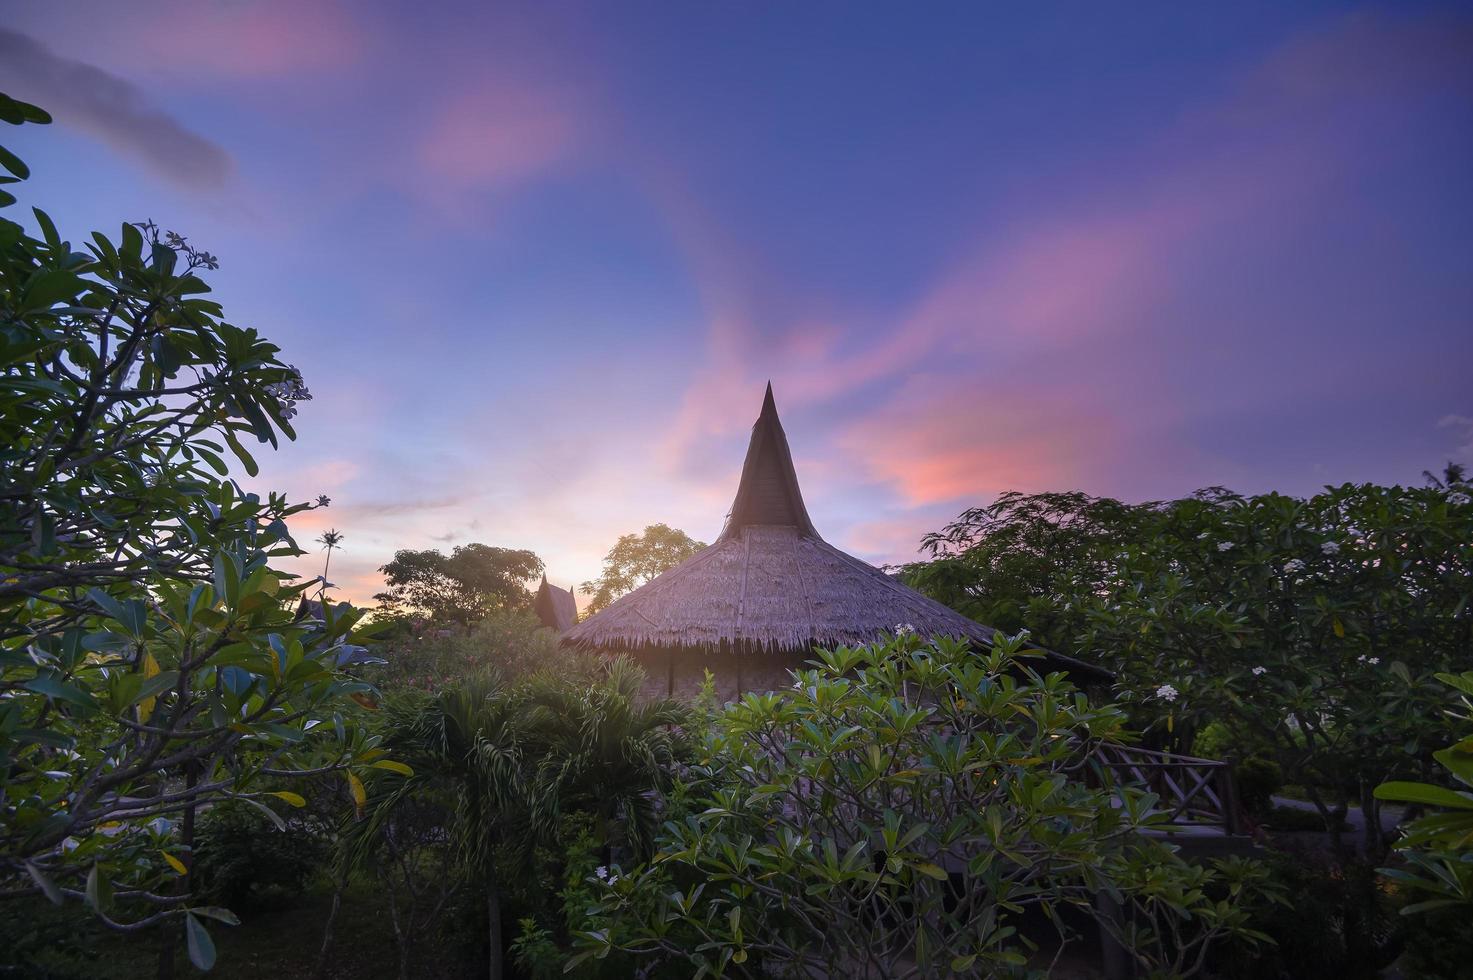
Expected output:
(635, 559)
(894, 813)
(1312, 627)
(463, 587)
(151, 659)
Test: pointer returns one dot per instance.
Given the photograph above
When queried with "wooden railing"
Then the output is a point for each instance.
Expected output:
(1194, 792)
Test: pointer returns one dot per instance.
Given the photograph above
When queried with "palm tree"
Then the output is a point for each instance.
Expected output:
(1453, 474)
(468, 743)
(330, 539)
(512, 760)
(603, 750)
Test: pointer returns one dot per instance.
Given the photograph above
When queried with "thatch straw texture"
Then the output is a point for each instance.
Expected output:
(770, 585)
(769, 588)
(555, 607)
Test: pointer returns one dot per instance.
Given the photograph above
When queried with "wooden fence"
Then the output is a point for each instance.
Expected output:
(1197, 793)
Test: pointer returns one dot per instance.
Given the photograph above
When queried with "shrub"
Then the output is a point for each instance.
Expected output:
(898, 809)
(1258, 780)
(242, 859)
(152, 664)
(1293, 819)
(1340, 925)
(514, 644)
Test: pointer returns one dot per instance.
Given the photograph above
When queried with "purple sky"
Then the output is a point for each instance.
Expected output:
(537, 261)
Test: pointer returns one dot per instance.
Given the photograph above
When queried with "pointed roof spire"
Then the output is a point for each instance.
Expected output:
(768, 492)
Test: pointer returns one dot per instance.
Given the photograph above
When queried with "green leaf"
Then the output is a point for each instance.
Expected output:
(1404, 792)
(49, 288)
(55, 688)
(269, 813)
(201, 946)
(99, 889)
(156, 685)
(931, 870)
(44, 882)
(14, 164)
(246, 458)
(219, 914)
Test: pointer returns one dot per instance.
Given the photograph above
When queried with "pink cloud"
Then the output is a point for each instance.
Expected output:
(1067, 295)
(255, 39)
(940, 439)
(498, 131)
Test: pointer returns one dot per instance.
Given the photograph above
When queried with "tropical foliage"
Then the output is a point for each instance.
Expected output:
(900, 812)
(1439, 847)
(460, 588)
(151, 659)
(498, 768)
(635, 559)
(1313, 629)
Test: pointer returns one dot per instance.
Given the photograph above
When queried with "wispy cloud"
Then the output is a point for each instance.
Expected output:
(497, 130)
(1462, 426)
(112, 110)
(1058, 330)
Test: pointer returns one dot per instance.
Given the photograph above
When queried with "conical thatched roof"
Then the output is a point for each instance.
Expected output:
(556, 607)
(769, 583)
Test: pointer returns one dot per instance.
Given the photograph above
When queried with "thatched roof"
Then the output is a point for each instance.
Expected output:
(770, 583)
(556, 607)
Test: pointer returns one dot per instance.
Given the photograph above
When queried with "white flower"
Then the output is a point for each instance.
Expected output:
(1166, 692)
(1363, 659)
(1458, 499)
(904, 629)
(601, 872)
(1204, 536)
(1293, 565)
(1331, 547)
(1224, 546)
(1259, 671)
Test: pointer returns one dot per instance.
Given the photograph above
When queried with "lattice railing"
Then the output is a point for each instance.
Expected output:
(1194, 792)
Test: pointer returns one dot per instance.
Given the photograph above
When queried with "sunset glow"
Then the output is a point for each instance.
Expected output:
(537, 268)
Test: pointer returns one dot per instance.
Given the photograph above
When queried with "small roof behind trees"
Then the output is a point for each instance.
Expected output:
(771, 584)
(556, 607)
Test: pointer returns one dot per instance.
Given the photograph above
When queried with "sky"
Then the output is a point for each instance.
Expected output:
(537, 261)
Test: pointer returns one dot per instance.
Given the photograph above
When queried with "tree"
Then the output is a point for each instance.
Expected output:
(462, 587)
(604, 749)
(635, 559)
(894, 814)
(1440, 845)
(499, 765)
(151, 661)
(1009, 564)
(1313, 628)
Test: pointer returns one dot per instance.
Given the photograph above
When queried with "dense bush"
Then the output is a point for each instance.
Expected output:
(899, 809)
(1341, 923)
(242, 858)
(151, 659)
(432, 658)
(1311, 629)
(514, 781)
(1258, 780)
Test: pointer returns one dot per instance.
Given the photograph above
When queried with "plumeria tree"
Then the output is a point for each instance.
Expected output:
(898, 813)
(1438, 847)
(1312, 627)
(151, 659)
